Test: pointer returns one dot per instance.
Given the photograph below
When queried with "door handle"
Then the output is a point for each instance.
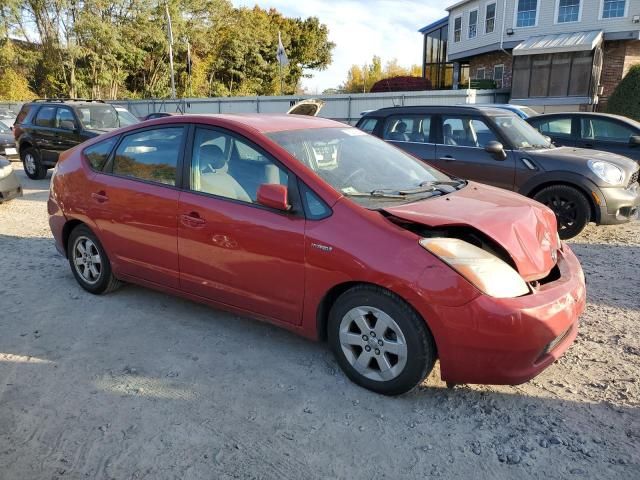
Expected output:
(446, 158)
(588, 145)
(100, 196)
(192, 220)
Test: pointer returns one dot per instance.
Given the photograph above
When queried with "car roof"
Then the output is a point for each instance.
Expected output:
(450, 109)
(267, 122)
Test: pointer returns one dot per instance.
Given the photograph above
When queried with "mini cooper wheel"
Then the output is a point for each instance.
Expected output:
(570, 206)
(89, 262)
(33, 165)
(379, 341)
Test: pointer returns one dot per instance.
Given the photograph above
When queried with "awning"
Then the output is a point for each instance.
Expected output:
(558, 43)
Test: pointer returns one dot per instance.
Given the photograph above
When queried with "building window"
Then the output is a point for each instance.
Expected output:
(473, 23)
(613, 8)
(498, 75)
(526, 14)
(457, 29)
(480, 73)
(490, 18)
(568, 11)
(436, 68)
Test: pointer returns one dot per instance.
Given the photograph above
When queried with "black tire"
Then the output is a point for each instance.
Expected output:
(104, 281)
(420, 346)
(571, 207)
(32, 164)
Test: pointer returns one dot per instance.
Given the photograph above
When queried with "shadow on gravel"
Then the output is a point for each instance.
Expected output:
(612, 273)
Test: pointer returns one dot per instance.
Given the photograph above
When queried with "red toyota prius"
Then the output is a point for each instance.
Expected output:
(318, 227)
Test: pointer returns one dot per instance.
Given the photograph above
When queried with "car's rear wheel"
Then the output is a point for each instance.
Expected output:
(33, 165)
(571, 207)
(89, 262)
(379, 341)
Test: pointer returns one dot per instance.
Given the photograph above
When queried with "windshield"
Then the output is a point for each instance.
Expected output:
(521, 135)
(360, 165)
(98, 116)
(5, 125)
(126, 118)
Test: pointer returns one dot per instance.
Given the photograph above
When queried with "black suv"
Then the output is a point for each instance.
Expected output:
(497, 147)
(45, 128)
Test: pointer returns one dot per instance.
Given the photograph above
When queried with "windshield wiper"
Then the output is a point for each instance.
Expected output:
(373, 193)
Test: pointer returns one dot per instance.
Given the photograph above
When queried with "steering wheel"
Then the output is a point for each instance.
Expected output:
(356, 172)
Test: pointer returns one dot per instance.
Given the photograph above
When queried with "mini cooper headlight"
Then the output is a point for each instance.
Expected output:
(606, 171)
(487, 272)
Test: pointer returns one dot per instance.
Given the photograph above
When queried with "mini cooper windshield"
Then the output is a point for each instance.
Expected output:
(364, 167)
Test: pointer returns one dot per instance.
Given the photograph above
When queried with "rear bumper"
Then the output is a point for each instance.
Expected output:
(10, 188)
(57, 222)
(619, 205)
(510, 341)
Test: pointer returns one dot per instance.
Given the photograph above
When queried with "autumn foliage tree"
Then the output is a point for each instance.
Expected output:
(119, 48)
(360, 79)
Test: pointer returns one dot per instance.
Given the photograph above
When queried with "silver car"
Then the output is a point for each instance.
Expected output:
(10, 187)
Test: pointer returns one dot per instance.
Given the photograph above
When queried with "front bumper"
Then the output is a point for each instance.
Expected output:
(618, 205)
(10, 188)
(510, 341)
(9, 151)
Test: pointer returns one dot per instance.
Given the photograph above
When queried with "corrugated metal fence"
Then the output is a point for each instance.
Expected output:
(342, 107)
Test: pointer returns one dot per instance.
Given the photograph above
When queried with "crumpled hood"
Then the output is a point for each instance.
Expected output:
(526, 229)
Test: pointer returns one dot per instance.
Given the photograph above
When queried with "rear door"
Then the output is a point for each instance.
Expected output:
(233, 250)
(134, 202)
(44, 134)
(607, 134)
(561, 129)
(460, 151)
(411, 133)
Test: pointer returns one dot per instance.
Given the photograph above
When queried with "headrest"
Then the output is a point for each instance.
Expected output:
(212, 155)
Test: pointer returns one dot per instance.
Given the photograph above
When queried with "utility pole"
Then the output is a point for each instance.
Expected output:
(170, 38)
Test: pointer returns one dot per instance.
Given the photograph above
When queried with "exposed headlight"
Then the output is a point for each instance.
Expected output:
(487, 272)
(608, 172)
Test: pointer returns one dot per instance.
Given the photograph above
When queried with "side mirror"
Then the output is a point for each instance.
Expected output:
(548, 138)
(273, 196)
(496, 149)
(67, 125)
(634, 140)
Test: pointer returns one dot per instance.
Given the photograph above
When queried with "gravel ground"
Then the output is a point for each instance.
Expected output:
(137, 384)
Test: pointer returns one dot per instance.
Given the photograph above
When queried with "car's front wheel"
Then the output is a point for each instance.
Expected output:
(33, 165)
(89, 262)
(570, 206)
(379, 341)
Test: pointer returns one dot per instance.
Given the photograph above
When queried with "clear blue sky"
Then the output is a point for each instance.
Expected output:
(361, 29)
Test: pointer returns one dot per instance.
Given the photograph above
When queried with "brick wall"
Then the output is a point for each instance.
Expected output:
(488, 61)
(618, 57)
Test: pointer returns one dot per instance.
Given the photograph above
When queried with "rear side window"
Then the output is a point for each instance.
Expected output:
(151, 155)
(98, 154)
(22, 114)
(606, 130)
(558, 126)
(368, 125)
(44, 117)
(414, 128)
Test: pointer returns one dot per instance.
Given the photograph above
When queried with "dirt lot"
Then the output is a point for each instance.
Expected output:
(137, 384)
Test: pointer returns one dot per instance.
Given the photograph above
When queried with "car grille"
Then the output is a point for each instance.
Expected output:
(634, 178)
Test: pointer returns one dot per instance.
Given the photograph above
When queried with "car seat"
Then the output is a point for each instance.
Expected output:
(448, 135)
(214, 176)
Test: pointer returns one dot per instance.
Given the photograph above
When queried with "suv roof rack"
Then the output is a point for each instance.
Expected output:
(62, 100)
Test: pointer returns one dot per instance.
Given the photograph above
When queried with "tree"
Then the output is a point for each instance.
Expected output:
(625, 99)
(361, 79)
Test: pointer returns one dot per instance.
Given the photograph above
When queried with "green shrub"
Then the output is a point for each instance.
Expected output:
(625, 99)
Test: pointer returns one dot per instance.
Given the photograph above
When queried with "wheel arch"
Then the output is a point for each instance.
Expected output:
(68, 227)
(582, 187)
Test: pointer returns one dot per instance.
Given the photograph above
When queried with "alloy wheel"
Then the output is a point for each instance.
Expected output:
(373, 343)
(86, 260)
(30, 163)
(565, 210)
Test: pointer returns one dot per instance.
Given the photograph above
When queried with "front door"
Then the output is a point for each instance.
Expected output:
(67, 128)
(134, 203)
(231, 249)
(460, 152)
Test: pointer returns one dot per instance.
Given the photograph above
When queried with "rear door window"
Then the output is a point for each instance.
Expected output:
(98, 154)
(150, 155)
(45, 116)
(408, 128)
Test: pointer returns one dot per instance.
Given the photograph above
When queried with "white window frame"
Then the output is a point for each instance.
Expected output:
(557, 12)
(469, 37)
(515, 15)
(453, 30)
(494, 74)
(495, 17)
(484, 73)
(626, 11)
